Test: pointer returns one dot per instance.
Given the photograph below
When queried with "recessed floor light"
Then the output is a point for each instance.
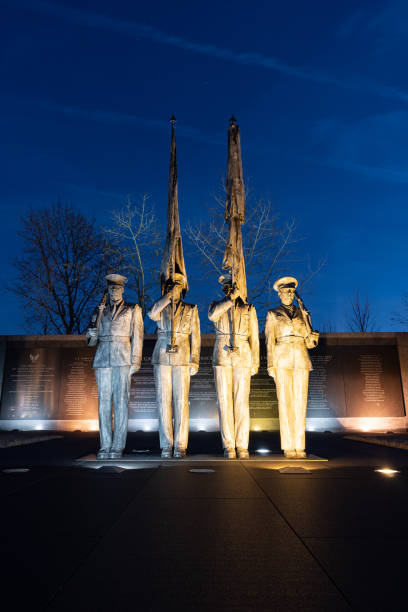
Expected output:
(387, 471)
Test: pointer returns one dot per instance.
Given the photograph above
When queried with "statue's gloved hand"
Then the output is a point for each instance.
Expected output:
(134, 368)
(234, 294)
(272, 372)
(193, 370)
(92, 332)
(254, 371)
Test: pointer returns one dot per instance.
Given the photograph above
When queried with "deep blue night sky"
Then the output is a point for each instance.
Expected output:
(320, 90)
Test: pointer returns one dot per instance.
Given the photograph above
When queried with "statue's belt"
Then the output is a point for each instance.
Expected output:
(167, 334)
(290, 340)
(230, 334)
(111, 338)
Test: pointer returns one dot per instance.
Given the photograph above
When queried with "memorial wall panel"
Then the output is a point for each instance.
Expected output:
(31, 383)
(203, 396)
(263, 401)
(59, 383)
(372, 381)
(78, 397)
(326, 397)
(142, 399)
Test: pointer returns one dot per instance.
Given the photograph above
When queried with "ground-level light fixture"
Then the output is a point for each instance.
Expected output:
(263, 451)
(387, 471)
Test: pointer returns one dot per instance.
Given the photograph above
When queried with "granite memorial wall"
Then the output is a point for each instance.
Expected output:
(357, 379)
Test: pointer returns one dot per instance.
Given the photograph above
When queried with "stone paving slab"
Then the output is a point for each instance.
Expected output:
(177, 552)
(242, 537)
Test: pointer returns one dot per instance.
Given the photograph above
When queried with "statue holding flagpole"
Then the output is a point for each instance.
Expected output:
(177, 351)
(236, 350)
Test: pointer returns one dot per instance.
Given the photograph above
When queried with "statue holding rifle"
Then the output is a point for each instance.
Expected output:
(116, 329)
(236, 350)
(289, 333)
(177, 351)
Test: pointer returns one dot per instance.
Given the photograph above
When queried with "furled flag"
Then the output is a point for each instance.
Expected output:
(173, 259)
(235, 211)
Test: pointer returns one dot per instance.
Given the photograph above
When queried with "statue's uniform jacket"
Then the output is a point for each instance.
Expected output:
(119, 343)
(120, 339)
(232, 370)
(187, 328)
(172, 370)
(287, 340)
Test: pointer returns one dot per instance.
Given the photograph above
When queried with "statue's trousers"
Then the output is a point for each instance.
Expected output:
(113, 384)
(291, 387)
(233, 386)
(172, 389)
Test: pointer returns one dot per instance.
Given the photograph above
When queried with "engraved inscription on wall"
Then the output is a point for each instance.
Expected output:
(371, 368)
(318, 383)
(79, 393)
(263, 401)
(142, 399)
(203, 396)
(373, 381)
(31, 384)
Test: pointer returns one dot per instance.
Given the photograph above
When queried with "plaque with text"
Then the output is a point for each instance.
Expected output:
(78, 390)
(372, 381)
(263, 401)
(203, 395)
(31, 383)
(142, 398)
(326, 395)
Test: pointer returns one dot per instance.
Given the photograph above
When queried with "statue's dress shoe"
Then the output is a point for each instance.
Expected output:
(179, 453)
(242, 453)
(166, 453)
(290, 454)
(115, 454)
(102, 454)
(301, 454)
(229, 453)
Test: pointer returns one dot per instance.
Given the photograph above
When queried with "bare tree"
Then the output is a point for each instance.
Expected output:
(401, 316)
(327, 327)
(360, 318)
(60, 270)
(271, 249)
(135, 240)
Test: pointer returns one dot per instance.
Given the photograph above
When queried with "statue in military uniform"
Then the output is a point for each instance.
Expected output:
(177, 351)
(235, 360)
(236, 350)
(289, 333)
(117, 329)
(173, 368)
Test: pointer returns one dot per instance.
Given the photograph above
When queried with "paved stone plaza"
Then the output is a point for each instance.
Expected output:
(255, 535)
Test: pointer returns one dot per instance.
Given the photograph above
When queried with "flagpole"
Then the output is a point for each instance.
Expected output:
(233, 347)
(172, 346)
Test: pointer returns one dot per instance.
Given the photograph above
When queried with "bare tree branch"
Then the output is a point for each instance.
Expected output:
(60, 269)
(270, 249)
(360, 318)
(135, 240)
(401, 316)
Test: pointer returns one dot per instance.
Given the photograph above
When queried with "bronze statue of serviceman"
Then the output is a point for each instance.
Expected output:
(117, 329)
(176, 354)
(289, 333)
(236, 349)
